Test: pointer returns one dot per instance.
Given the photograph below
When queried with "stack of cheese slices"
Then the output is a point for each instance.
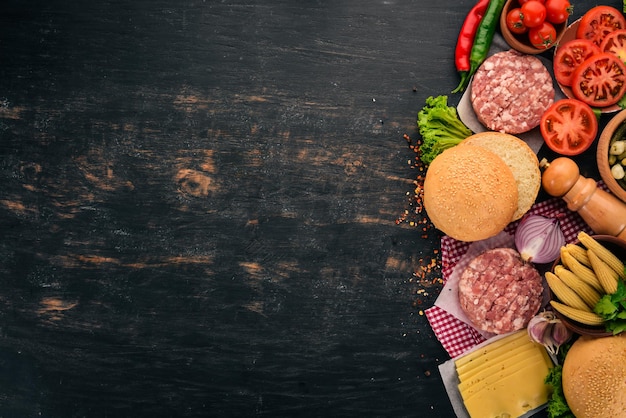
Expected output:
(504, 378)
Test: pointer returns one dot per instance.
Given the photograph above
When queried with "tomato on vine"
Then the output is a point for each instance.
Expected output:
(533, 13)
(514, 21)
(542, 36)
(558, 11)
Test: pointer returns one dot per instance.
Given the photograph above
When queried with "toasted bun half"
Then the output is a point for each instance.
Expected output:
(594, 377)
(522, 161)
(470, 193)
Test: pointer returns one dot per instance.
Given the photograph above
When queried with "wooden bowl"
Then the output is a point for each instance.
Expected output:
(521, 42)
(602, 154)
(618, 247)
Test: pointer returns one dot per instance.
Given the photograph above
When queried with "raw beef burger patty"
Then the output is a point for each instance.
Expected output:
(499, 292)
(510, 91)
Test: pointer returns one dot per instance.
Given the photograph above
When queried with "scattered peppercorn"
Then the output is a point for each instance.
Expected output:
(427, 272)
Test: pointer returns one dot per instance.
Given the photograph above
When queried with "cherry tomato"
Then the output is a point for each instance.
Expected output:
(615, 43)
(542, 36)
(533, 13)
(569, 127)
(600, 80)
(526, 1)
(569, 55)
(558, 11)
(514, 21)
(598, 22)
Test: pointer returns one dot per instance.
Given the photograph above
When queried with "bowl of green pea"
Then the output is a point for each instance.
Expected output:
(611, 155)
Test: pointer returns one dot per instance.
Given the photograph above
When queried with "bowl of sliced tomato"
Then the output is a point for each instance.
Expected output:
(534, 26)
(589, 63)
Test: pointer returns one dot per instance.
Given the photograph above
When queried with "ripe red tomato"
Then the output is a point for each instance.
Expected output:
(558, 11)
(542, 36)
(598, 22)
(615, 43)
(514, 21)
(533, 13)
(600, 80)
(526, 1)
(569, 127)
(569, 55)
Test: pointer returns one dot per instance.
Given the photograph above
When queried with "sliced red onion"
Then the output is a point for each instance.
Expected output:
(539, 239)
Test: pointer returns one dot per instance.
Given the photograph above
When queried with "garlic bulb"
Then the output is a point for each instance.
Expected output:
(546, 329)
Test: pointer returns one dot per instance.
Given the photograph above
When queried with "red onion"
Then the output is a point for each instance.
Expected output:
(539, 239)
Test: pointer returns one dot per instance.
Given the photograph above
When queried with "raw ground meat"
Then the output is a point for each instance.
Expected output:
(510, 91)
(499, 292)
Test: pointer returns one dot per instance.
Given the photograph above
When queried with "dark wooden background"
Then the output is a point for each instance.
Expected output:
(206, 207)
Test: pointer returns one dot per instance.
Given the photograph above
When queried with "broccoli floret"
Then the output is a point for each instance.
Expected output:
(440, 128)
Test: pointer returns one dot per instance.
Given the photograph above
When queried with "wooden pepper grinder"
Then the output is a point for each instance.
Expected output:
(602, 211)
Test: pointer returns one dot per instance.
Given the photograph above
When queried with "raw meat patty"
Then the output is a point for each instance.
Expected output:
(499, 292)
(510, 91)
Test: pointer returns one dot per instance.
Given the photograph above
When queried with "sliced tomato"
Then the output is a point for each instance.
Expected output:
(598, 22)
(600, 80)
(615, 43)
(569, 56)
(569, 127)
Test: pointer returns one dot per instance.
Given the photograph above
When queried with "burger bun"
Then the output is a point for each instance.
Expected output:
(470, 193)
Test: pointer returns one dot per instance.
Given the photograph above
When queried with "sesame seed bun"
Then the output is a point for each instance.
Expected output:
(594, 377)
(470, 193)
(522, 161)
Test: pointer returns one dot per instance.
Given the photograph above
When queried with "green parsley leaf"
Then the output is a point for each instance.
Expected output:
(612, 308)
(605, 308)
(617, 327)
(557, 405)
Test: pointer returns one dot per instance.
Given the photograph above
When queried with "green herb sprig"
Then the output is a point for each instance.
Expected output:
(612, 308)
(557, 404)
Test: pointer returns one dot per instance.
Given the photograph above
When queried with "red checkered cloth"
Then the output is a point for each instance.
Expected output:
(455, 335)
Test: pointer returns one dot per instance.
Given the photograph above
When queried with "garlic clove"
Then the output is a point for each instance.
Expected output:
(539, 329)
(560, 334)
(546, 329)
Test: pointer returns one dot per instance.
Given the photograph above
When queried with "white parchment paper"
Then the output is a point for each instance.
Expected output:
(466, 113)
(448, 298)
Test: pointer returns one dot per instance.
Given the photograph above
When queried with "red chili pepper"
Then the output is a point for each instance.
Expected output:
(467, 33)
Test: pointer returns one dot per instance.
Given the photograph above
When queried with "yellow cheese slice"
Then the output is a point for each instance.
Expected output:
(479, 365)
(491, 372)
(513, 395)
(500, 346)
